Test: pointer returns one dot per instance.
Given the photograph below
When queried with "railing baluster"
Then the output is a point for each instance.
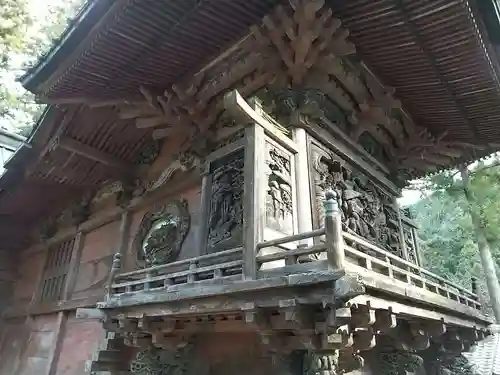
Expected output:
(217, 273)
(193, 265)
(333, 232)
(147, 284)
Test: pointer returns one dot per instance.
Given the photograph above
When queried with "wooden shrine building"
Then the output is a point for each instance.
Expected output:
(212, 188)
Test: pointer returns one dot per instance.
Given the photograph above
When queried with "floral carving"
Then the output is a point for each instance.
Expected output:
(162, 232)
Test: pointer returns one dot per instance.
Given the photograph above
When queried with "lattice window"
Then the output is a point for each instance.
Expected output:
(55, 271)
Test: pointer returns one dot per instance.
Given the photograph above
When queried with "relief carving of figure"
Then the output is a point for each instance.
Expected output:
(366, 210)
(226, 205)
(279, 193)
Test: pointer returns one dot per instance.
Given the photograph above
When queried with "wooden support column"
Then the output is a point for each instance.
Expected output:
(253, 198)
(74, 266)
(303, 196)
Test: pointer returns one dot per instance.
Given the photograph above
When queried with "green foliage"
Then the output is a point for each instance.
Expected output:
(14, 20)
(448, 243)
(26, 34)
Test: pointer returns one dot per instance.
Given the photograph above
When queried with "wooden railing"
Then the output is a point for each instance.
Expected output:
(337, 248)
(221, 266)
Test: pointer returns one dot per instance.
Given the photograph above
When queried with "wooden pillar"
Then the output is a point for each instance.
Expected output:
(202, 235)
(303, 196)
(477, 218)
(333, 232)
(253, 201)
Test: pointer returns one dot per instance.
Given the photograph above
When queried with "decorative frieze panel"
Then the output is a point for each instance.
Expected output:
(367, 209)
(225, 212)
(279, 202)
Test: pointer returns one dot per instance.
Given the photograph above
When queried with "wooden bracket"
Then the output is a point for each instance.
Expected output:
(385, 321)
(364, 339)
(363, 316)
(91, 314)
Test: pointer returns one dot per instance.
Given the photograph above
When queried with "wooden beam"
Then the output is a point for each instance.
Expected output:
(92, 153)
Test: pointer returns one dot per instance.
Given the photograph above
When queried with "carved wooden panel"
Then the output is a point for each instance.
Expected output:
(162, 232)
(225, 193)
(409, 237)
(279, 194)
(368, 210)
(55, 271)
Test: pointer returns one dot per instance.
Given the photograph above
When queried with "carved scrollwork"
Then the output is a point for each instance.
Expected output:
(162, 232)
(158, 361)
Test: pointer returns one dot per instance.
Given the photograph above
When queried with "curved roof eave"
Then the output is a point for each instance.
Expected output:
(71, 38)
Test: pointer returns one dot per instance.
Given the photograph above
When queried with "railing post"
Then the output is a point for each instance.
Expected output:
(333, 232)
(474, 285)
(115, 268)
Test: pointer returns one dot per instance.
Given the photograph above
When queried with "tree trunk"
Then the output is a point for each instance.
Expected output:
(487, 262)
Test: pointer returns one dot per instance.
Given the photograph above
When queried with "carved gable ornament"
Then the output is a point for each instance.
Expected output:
(162, 233)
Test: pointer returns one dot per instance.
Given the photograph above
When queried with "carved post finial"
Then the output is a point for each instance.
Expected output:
(333, 231)
(331, 204)
(474, 285)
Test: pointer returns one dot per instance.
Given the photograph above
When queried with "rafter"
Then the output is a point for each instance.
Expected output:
(94, 154)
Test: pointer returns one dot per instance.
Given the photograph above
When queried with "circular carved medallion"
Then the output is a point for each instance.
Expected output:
(161, 233)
